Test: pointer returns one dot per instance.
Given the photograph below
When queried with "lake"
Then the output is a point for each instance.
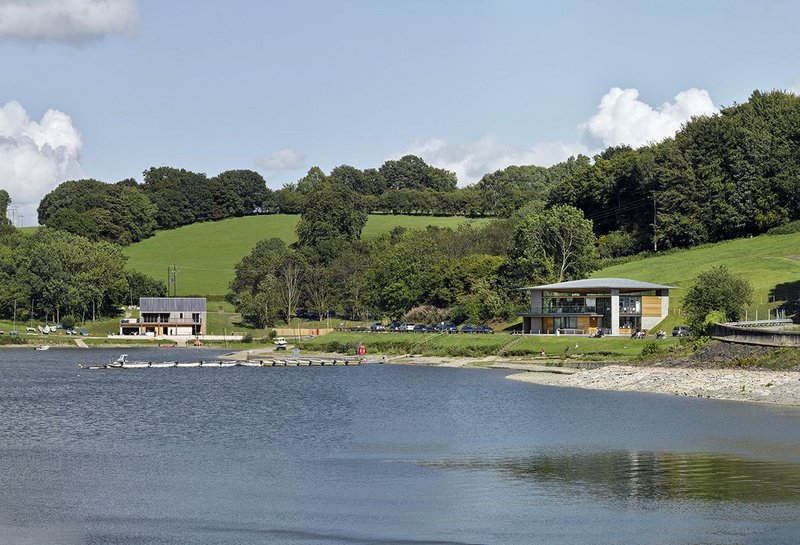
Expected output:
(377, 454)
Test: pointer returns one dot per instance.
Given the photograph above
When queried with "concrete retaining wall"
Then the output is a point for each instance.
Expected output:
(748, 335)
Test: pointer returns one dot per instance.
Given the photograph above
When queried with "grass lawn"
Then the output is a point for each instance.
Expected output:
(481, 345)
(206, 253)
(766, 261)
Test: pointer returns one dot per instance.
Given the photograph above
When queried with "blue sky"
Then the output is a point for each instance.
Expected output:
(108, 88)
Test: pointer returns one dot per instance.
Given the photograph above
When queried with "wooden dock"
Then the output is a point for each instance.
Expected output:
(266, 362)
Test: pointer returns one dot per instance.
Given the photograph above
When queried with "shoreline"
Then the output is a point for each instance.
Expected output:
(728, 384)
(772, 387)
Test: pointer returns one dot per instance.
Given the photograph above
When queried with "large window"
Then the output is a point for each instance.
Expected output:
(633, 323)
(630, 305)
(565, 322)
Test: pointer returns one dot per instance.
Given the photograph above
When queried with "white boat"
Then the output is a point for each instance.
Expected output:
(136, 365)
(188, 364)
(249, 364)
(163, 365)
(42, 347)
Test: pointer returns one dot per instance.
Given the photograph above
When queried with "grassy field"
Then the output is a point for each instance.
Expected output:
(766, 261)
(460, 345)
(206, 253)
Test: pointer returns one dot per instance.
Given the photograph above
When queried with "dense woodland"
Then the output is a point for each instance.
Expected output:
(729, 175)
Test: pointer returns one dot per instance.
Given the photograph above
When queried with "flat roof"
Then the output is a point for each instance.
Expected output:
(599, 284)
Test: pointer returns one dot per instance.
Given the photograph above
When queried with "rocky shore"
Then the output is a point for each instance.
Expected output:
(780, 387)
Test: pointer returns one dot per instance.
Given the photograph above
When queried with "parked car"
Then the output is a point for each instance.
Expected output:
(422, 328)
(681, 331)
(405, 326)
(394, 326)
(377, 326)
(467, 328)
(13, 332)
(280, 343)
(483, 328)
(445, 327)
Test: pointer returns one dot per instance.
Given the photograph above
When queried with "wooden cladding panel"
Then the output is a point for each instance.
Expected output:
(585, 322)
(547, 325)
(651, 306)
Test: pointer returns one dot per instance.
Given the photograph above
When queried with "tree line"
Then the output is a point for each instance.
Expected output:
(126, 211)
(45, 276)
(466, 274)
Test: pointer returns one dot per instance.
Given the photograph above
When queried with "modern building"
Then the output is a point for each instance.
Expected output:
(618, 306)
(167, 316)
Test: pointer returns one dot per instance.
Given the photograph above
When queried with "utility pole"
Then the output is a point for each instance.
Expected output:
(172, 280)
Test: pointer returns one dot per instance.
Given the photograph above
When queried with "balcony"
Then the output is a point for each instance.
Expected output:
(175, 321)
(559, 310)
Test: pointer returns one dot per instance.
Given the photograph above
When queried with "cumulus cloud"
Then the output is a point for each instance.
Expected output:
(67, 20)
(36, 156)
(471, 161)
(282, 159)
(621, 118)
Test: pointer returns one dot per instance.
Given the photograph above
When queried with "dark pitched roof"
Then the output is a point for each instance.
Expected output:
(600, 283)
(172, 304)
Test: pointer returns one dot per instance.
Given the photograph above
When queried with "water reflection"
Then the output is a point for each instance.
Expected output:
(653, 476)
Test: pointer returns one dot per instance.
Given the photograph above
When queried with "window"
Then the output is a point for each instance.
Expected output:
(196, 317)
(630, 305)
(565, 322)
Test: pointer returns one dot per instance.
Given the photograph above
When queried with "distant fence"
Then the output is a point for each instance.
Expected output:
(751, 335)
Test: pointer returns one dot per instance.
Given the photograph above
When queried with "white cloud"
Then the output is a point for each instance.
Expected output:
(36, 156)
(624, 119)
(282, 159)
(67, 20)
(621, 118)
(471, 161)
(795, 88)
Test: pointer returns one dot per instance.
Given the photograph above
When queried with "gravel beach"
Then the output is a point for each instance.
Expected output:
(779, 387)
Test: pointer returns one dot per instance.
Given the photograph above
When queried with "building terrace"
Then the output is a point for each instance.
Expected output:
(617, 306)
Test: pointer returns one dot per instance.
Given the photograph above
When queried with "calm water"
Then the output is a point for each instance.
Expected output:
(377, 454)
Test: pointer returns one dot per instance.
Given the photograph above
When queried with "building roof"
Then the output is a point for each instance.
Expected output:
(598, 284)
(172, 304)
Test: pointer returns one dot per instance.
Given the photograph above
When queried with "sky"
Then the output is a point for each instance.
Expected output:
(106, 89)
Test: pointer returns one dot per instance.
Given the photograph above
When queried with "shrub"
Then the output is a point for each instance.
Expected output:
(785, 229)
(651, 349)
(247, 338)
(425, 314)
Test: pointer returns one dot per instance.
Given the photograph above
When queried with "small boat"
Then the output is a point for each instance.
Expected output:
(42, 347)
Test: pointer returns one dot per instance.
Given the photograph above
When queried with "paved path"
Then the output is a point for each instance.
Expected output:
(81, 344)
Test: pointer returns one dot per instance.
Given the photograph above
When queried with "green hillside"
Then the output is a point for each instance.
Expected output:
(206, 253)
(768, 262)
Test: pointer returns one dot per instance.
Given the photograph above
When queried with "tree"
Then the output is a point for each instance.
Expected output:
(255, 290)
(289, 283)
(716, 290)
(554, 245)
(319, 289)
(331, 212)
(5, 200)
